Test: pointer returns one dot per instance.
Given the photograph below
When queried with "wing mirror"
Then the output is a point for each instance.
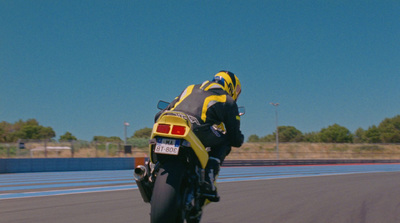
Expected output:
(162, 105)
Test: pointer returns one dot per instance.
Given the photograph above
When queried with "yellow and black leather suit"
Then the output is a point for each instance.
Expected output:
(213, 114)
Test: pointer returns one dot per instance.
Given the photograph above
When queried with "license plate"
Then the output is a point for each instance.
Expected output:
(167, 146)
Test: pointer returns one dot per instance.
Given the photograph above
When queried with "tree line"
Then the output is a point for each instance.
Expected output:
(32, 130)
(388, 131)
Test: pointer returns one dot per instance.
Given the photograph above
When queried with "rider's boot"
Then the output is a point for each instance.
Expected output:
(209, 188)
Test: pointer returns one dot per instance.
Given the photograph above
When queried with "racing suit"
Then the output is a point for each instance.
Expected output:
(214, 116)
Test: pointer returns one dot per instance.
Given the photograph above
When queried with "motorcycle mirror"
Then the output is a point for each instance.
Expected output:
(162, 105)
(242, 110)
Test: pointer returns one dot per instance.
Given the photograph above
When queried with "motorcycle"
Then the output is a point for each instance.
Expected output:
(172, 180)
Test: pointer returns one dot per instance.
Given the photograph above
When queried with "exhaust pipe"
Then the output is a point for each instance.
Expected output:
(141, 175)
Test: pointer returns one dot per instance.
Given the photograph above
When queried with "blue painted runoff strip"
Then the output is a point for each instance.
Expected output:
(60, 183)
(65, 192)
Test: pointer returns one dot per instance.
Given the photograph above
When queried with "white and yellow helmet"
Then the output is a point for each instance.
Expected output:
(230, 83)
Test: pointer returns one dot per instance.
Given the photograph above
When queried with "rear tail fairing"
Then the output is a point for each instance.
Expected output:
(176, 125)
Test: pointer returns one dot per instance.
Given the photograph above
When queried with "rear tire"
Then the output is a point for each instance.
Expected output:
(166, 199)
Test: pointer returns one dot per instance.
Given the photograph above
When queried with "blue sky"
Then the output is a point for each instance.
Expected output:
(88, 66)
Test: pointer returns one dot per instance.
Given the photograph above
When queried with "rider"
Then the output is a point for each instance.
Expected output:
(212, 109)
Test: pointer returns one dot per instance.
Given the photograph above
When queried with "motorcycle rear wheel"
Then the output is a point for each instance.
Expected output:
(166, 199)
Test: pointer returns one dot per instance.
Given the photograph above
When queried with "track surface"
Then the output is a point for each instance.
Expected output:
(360, 193)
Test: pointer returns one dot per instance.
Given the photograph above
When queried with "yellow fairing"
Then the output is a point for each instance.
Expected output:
(176, 119)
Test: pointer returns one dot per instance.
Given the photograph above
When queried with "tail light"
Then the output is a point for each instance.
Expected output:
(163, 128)
(178, 130)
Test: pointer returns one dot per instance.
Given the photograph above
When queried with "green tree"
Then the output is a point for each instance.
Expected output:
(390, 130)
(114, 139)
(68, 137)
(268, 138)
(253, 138)
(372, 135)
(336, 134)
(29, 129)
(46, 133)
(359, 135)
(311, 137)
(8, 131)
(286, 134)
(142, 133)
(3, 131)
(289, 134)
(36, 132)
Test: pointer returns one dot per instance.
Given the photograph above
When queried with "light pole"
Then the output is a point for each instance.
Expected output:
(277, 132)
(126, 124)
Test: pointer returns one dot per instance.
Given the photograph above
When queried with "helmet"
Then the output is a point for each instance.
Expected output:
(229, 82)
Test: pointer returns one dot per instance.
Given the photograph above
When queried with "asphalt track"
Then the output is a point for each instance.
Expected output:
(349, 193)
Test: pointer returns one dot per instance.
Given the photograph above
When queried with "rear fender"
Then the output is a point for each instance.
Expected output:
(173, 118)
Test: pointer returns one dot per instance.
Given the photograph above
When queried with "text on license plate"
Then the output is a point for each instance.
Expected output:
(167, 146)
